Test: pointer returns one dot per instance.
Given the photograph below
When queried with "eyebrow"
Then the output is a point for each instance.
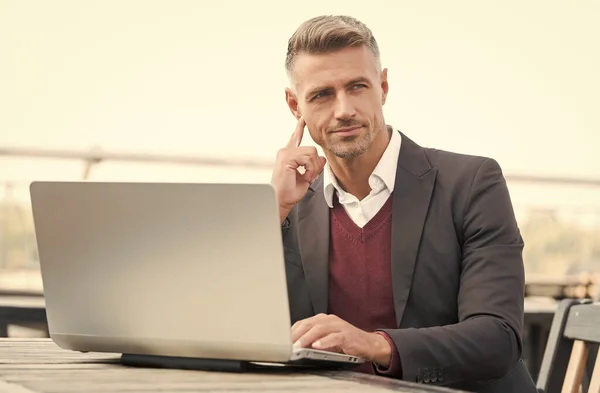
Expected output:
(354, 81)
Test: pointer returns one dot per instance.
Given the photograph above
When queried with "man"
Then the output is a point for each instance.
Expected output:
(407, 256)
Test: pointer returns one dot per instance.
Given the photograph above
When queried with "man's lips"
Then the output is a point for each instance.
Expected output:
(348, 131)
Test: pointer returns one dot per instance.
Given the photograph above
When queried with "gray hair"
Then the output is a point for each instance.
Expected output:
(329, 33)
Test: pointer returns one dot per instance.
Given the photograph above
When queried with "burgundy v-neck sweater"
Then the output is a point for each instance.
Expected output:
(360, 279)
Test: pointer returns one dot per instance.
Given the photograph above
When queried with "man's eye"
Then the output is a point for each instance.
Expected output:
(358, 85)
(319, 95)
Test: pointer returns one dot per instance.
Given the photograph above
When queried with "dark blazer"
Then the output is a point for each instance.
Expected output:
(457, 269)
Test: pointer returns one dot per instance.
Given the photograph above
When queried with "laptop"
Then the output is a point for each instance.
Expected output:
(167, 270)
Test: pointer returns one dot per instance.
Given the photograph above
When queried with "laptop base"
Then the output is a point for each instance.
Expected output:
(156, 361)
(224, 365)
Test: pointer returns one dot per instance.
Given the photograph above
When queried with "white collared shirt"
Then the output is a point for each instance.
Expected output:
(381, 181)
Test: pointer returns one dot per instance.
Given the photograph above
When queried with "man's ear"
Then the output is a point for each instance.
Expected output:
(384, 86)
(292, 102)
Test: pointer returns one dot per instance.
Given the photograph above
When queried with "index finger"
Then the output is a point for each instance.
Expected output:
(296, 138)
(302, 326)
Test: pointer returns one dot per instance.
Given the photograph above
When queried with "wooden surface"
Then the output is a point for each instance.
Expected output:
(576, 368)
(595, 380)
(38, 365)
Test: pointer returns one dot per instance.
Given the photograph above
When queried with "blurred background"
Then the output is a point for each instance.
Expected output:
(194, 91)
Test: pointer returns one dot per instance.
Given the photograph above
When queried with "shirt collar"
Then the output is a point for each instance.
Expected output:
(385, 171)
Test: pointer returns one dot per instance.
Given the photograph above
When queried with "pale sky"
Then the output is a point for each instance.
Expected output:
(518, 81)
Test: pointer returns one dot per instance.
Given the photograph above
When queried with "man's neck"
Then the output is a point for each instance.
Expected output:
(353, 174)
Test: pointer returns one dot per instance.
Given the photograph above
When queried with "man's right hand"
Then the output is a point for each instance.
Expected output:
(291, 185)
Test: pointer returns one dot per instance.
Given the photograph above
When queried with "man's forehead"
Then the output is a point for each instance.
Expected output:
(312, 71)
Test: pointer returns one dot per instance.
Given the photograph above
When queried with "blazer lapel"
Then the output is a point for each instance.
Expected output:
(313, 236)
(415, 179)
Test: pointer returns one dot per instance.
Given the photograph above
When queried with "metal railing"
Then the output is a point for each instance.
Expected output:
(96, 155)
(573, 215)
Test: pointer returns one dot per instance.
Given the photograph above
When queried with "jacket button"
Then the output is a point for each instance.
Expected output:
(439, 377)
(426, 377)
(433, 377)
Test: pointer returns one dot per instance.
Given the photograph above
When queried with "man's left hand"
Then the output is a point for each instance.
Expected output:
(331, 333)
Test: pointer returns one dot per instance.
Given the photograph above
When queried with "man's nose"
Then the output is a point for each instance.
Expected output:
(344, 108)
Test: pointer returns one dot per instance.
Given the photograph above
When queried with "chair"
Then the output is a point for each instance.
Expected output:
(575, 329)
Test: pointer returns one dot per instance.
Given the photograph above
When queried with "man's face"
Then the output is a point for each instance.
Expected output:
(340, 95)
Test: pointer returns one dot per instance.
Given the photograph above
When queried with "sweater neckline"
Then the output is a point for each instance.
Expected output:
(370, 228)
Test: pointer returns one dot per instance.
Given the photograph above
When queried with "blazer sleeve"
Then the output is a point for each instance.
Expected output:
(298, 295)
(486, 342)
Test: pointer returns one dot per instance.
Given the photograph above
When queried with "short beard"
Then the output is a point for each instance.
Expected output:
(348, 148)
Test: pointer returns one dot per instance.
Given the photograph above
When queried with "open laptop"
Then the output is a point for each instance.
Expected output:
(187, 271)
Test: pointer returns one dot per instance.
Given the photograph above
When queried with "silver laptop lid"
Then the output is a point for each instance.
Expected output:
(163, 268)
